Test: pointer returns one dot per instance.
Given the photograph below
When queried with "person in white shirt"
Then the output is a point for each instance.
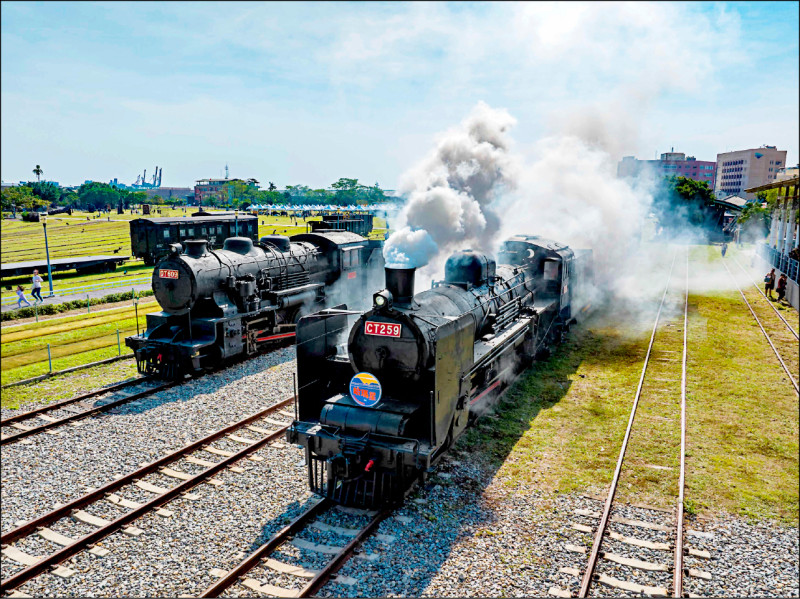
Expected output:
(36, 290)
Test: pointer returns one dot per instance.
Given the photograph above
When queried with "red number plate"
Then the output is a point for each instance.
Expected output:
(382, 329)
(168, 274)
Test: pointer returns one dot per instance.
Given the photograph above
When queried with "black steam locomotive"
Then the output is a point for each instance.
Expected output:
(381, 400)
(222, 304)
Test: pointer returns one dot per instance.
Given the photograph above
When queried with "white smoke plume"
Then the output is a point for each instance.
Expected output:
(451, 193)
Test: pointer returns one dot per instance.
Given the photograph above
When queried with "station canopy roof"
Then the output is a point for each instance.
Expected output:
(732, 202)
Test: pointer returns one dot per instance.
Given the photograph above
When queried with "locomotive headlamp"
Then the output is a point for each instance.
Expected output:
(382, 299)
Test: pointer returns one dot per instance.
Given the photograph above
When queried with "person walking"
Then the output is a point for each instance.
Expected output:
(36, 290)
(769, 283)
(21, 297)
(781, 287)
(724, 248)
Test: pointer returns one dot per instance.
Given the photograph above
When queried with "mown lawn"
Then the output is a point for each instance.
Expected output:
(560, 426)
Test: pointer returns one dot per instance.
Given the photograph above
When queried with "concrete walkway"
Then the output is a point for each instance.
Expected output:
(60, 299)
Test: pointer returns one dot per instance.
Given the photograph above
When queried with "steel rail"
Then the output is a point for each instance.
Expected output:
(677, 581)
(316, 583)
(65, 402)
(252, 560)
(771, 304)
(80, 544)
(97, 494)
(97, 410)
(588, 575)
(766, 336)
(282, 536)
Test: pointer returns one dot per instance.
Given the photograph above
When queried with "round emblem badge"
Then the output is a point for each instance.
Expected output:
(365, 389)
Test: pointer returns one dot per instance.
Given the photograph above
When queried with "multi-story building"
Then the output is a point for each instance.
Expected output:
(208, 188)
(671, 164)
(745, 169)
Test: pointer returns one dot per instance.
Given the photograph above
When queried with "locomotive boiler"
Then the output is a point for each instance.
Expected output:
(383, 394)
(221, 304)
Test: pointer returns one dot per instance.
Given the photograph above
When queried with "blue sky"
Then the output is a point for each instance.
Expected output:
(307, 93)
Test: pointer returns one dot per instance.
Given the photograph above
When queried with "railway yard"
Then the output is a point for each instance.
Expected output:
(655, 452)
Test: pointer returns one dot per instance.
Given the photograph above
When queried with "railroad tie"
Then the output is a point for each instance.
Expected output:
(556, 592)
(186, 476)
(63, 540)
(161, 490)
(262, 431)
(216, 451)
(634, 563)
(632, 586)
(269, 589)
(242, 440)
(275, 422)
(26, 559)
(99, 522)
(640, 542)
(318, 547)
(117, 500)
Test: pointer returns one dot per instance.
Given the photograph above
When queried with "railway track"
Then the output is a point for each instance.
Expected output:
(298, 580)
(770, 303)
(47, 419)
(156, 478)
(767, 336)
(656, 429)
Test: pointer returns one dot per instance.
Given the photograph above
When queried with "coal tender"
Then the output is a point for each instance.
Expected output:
(232, 302)
(383, 394)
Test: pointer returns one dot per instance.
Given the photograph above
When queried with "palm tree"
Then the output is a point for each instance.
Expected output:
(38, 172)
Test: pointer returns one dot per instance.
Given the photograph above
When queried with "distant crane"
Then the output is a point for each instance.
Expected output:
(142, 182)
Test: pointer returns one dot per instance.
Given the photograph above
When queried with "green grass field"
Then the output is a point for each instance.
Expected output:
(560, 426)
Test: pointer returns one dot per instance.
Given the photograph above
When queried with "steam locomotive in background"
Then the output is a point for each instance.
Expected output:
(382, 399)
(222, 304)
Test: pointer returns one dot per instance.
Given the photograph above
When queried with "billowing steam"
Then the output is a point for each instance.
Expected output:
(452, 191)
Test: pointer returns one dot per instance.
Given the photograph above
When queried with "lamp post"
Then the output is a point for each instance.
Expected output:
(47, 252)
(236, 222)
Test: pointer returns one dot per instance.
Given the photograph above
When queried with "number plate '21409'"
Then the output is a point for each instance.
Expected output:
(382, 329)
(168, 274)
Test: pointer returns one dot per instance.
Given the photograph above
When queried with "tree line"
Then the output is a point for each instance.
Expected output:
(236, 193)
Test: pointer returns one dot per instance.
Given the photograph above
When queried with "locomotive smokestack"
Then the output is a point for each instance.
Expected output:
(400, 282)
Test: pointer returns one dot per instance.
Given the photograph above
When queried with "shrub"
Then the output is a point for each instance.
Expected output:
(47, 309)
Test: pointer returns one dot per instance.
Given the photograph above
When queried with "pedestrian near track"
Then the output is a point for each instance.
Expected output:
(724, 249)
(36, 289)
(769, 283)
(781, 287)
(21, 297)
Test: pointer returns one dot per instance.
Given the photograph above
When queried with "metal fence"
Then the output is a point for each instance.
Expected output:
(782, 262)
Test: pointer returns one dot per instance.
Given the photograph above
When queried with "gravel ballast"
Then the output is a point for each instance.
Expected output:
(465, 532)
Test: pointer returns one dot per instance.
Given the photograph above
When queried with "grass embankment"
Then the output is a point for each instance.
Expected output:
(69, 385)
(74, 340)
(561, 424)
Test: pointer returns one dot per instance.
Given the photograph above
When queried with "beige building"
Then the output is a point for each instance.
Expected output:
(745, 169)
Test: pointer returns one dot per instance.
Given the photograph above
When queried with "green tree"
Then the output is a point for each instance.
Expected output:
(22, 197)
(97, 196)
(755, 221)
(48, 192)
(687, 207)
(38, 172)
(272, 186)
(240, 193)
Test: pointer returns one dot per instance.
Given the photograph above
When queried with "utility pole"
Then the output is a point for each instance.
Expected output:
(47, 252)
